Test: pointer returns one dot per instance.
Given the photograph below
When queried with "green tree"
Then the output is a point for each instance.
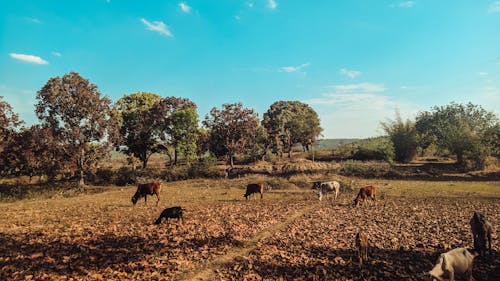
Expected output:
(232, 128)
(177, 120)
(139, 124)
(291, 122)
(466, 130)
(77, 115)
(9, 122)
(403, 135)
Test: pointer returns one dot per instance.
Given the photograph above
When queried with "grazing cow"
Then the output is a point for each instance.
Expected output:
(364, 193)
(458, 260)
(171, 213)
(255, 188)
(145, 189)
(481, 232)
(327, 187)
(362, 246)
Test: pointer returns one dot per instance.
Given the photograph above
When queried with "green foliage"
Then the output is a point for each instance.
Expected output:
(379, 148)
(365, 169)
(403, 136)
(138, 124)
(467, 131)
(291, 122)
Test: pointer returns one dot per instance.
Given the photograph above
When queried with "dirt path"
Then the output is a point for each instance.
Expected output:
(206, 271)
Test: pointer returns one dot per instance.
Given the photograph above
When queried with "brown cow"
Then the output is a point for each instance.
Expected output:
(362, 247)
(364, 193)
(255, 188)
(481, 232)
(145, 189)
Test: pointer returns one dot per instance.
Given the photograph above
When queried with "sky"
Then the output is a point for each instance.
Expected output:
(354, 62)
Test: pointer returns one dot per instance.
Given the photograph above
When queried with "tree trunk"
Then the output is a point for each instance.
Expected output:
(81, 180)
(460, 158)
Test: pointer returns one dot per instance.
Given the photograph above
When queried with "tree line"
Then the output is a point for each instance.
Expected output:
(79, 127)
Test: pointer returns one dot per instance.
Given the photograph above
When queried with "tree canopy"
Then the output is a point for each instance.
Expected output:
(291, 122)
(77, 115)
(231, 129)
(466, 130)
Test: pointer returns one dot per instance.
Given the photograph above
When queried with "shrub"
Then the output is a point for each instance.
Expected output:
(365, 169)
(125, 175)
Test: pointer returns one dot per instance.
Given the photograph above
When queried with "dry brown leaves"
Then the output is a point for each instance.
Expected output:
(115, 241)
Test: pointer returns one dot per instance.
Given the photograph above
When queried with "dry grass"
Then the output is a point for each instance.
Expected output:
(101, 236)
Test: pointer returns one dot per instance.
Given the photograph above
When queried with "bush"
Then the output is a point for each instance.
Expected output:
(125, 175)
(280, 183)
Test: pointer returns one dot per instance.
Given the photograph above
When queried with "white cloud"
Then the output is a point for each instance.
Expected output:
(482, 73)
(494, 7)
(350, 73)
(249, 4)
(361, 87)
(28, 58)
(56, 54)
(357, 114)
(185, 7)
(405, 4)
(157, 26)
(290, 69)
(272, 4)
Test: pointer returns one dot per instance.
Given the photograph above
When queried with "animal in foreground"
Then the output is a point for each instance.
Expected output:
(364, 193)
(145, 189)
(458, 260)
(171, 213)
(327, 187)
(255, 188)
(361, 242)
(481, 232)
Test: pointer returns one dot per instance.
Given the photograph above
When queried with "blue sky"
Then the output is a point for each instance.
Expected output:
(354, 62)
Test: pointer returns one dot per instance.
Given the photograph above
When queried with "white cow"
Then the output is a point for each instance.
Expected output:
(458, 260)
(327, 187)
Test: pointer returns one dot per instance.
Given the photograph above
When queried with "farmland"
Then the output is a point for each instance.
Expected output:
(289, 235)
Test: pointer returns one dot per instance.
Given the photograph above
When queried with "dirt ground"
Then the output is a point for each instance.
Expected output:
(289, 235)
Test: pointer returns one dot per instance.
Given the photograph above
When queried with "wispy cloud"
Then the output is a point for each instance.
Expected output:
(272, 4)
(157, 26)
(361, 87)
(185, 7)
(56, 54)
(290, 69)
(350, 73)
(33, 20)
(355, 111)
(482, 73)
(405, 4)
(494, 7)
(28, 58)
(249, 4)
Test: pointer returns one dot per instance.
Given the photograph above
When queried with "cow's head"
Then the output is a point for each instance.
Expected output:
(316, 185)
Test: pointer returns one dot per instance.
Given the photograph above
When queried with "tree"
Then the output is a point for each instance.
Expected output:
(177, 121)
(403, 135)
(9, 122)
(139, 127)
(291, 122)
(232, 127)
(468, 131)
(78, 117)
(202, 143)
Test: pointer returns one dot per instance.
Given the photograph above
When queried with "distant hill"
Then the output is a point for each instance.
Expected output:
(327, 144)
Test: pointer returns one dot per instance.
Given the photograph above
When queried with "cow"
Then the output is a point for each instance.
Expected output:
(361, 243)
(171, 213)
(145, 189)
(458, 260)
(327, 187)
(364, 193)
(481, 232)
(255, 188)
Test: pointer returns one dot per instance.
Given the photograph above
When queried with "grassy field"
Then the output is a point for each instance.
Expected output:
(289, 235)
